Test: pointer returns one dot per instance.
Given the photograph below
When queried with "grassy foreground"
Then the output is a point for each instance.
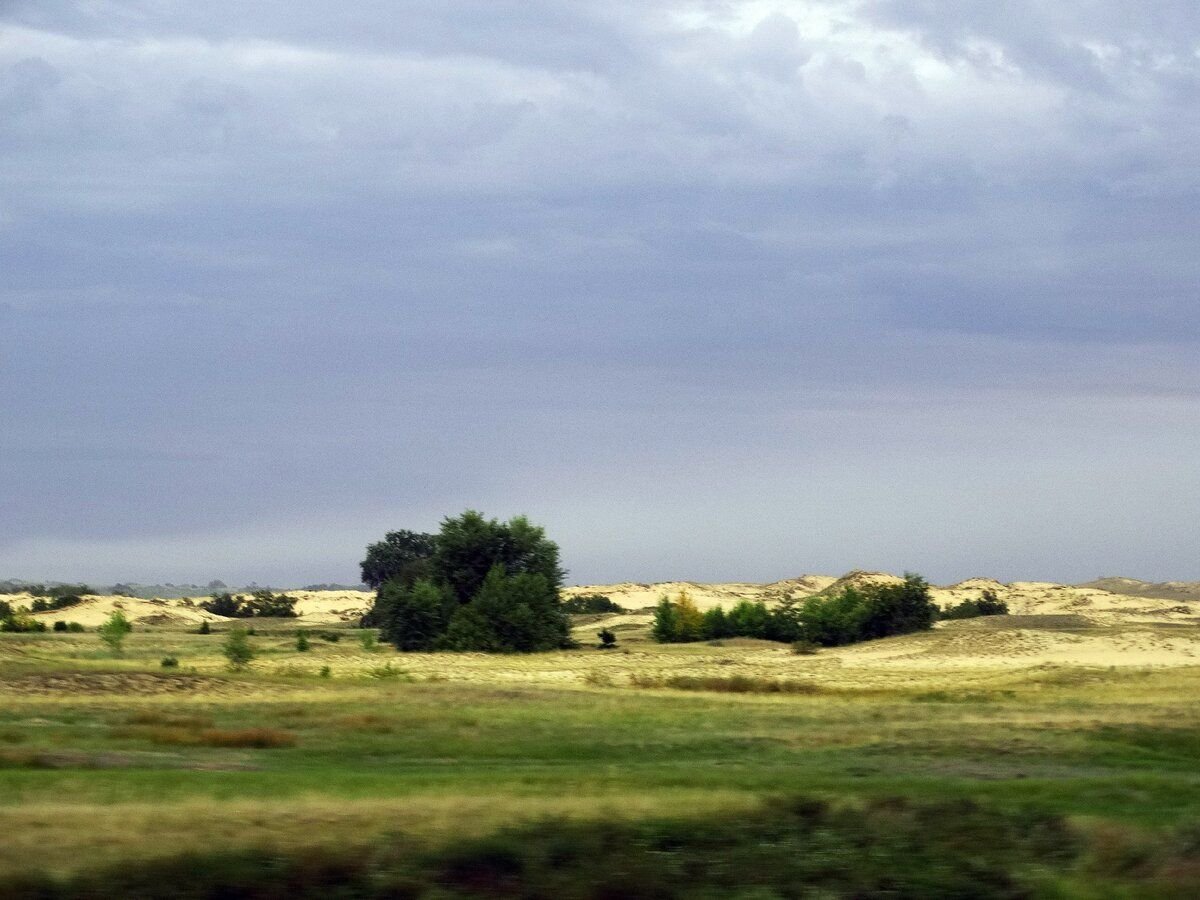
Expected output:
(405, 775)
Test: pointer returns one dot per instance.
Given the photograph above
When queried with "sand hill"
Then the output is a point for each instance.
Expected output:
(1117, 601)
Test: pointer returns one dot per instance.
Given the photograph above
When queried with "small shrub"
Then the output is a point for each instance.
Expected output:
(369, 642)
(237, 649)
(987, 605)
(302, 642)
(114, 631)
(60, 625)
(75, 628)
(204, 628)
(608, 640)
(325, 672)
(169, 662)
(331, 636)
(591, 604)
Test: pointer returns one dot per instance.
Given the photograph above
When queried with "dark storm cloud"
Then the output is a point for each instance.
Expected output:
(277, 277)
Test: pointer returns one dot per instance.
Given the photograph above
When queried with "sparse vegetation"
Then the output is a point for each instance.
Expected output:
(608, 639)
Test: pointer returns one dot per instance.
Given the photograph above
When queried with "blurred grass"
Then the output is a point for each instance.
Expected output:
(105, 760)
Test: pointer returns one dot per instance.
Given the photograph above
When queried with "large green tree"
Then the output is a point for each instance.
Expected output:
(483, 585)
(402, 556)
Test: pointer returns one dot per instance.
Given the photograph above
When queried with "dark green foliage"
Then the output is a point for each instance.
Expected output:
(6, 609)
(55, 591)
(413, 617)
(748, 619)
(716, 625)
(666, 622)
(15, 622)
(261, 604)
(60, 625)
(856, 614)
(302, 644)
(169, 662)
(204, 628)
(987, 605)
(593, 604)
(470, 546)
(331, 637)
(488, 586)
(265, 604)
(518, 613)
(797, 848)
(401, 556)
(222, 605)
(75, 628)
(867, 613)
(51, 603)
(608, 639)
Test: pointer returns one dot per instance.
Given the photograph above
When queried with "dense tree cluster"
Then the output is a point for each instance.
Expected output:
(478, 584)
(260, 604)
(855, 614)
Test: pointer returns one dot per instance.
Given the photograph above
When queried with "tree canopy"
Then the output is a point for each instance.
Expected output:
(478, 584)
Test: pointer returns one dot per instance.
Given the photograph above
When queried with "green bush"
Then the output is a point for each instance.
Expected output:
(867, 613)
(987, 605)
(593, 604)
(114, 631)
(608, 639)
(237, 649)
(260, 604)
(204, 628)
(60, 625)
(169, 662)
(302, 644)
(21, 624)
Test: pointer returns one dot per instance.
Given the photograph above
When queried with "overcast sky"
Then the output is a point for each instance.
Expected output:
(713, 290)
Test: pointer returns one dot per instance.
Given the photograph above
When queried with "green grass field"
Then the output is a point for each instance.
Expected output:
(115, 763)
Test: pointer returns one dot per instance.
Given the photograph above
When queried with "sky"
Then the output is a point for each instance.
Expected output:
(711, 290)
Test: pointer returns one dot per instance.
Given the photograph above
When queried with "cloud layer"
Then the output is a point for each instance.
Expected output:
(716, 290)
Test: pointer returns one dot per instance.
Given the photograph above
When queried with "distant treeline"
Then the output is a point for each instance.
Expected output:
(855, 614)
(152, 591)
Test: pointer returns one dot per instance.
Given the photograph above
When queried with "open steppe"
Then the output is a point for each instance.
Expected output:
(1082, 703)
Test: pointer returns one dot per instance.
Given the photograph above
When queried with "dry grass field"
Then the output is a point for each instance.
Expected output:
(1082, 705)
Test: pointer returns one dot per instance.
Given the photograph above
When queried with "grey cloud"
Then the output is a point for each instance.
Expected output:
(666, 270)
